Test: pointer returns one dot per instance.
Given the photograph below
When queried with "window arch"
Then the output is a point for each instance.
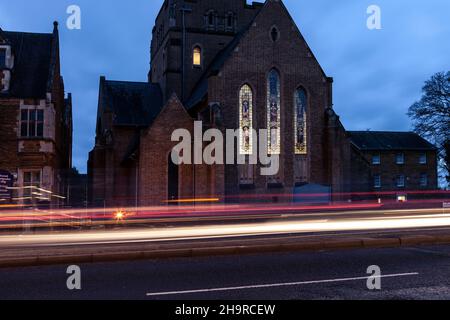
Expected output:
(246, 120)
(300, 115)
(211, 20)
(274, 112)
(197, 56)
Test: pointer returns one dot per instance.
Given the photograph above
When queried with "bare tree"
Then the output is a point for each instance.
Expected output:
(431, 116)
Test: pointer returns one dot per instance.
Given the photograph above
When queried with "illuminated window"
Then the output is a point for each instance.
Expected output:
(197, 56)
(246, 120)
(32, 123)
(274, 112)
(300, 104)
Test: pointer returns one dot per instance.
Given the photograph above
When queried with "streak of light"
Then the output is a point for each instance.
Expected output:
(243, 229)
(193, 200)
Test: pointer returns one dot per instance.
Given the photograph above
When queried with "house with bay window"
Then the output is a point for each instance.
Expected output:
(35, 119)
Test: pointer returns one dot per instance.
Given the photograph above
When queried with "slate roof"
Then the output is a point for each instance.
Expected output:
(385, 141)
(32, 63)
(133, 103)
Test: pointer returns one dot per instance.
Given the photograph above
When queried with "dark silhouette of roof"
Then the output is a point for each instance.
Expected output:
(32, 63)
(384, 140)
(133, 103)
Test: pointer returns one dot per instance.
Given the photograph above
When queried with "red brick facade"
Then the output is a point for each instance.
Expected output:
(235, 51)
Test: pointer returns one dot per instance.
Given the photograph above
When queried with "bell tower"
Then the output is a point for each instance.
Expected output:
(188, 35)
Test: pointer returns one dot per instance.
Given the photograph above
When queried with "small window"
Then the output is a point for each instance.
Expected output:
(197, 57)
(376, 159)
(400, 158)
(424, 180)
(377, 181)
(31, 181)
(230, 21)
(211, 19)
(32, 123)
(423, 158)
(401, 181)
(274, 34)
(2, 58)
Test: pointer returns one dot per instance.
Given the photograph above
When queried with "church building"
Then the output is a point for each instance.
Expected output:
(231, 65)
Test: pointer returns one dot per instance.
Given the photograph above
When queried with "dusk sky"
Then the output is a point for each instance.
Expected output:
(378, 74)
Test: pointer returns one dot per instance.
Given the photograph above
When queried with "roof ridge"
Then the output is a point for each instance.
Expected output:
(29, 33)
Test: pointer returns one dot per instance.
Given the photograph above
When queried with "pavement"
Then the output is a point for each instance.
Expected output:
(407, 273)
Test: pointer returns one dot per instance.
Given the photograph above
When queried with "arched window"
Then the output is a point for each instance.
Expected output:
(274, 112)
(274, 34)
(197, 56)
(301, 107)
(246, 120)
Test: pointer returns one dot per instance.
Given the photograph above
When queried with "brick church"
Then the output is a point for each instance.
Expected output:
(234, 65)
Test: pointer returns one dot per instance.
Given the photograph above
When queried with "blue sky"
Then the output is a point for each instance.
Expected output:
(378, 74)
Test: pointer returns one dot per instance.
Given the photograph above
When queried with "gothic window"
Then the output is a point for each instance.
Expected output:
(274, 34)
(246, 120)
(211, 18)
(274, 112)
(230, 21)
(301, 107)
(197, 56)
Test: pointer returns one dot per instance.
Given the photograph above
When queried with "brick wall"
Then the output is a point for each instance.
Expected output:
(155, 149)
(412, 170)
(250, 63)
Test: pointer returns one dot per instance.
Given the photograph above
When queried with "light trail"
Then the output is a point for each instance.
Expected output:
(298, 225)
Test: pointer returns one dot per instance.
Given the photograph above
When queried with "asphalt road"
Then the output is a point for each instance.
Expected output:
(408, 273)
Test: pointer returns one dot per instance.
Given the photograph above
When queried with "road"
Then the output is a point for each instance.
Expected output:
(410, 273)
(282, 225)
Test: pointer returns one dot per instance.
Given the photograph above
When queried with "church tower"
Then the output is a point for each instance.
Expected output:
(188, 35)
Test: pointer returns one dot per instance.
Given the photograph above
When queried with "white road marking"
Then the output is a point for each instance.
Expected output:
(291, 284)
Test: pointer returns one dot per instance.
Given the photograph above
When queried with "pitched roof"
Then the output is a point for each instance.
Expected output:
(32, 63)
(383, 140)
(133, 103)
(201, 89)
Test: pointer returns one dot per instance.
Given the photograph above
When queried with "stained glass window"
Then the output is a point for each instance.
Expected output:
(246, 120)
(300, 104)
(274, 112)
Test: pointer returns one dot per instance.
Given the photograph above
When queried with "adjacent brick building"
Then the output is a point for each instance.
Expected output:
(398, 161)
(35, 118)
(231, 65)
